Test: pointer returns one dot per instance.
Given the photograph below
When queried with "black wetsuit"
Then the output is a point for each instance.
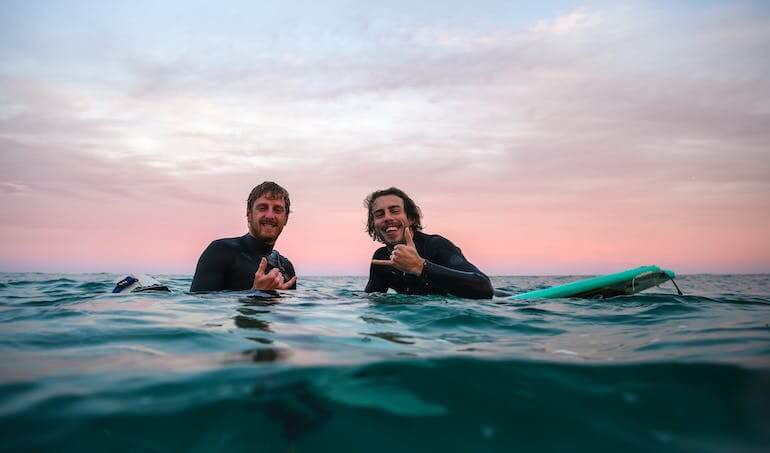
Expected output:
(446, 271)
(230, 264)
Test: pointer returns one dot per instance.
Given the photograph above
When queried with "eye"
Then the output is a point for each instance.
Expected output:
(278, 209)
(378, 214)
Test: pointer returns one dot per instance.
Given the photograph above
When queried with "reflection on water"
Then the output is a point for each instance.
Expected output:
(373, 320)
(247, 322)
(259, 355)
(393, 337)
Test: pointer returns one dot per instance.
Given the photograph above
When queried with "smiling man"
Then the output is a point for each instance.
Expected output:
(412, 262)
(250, 261)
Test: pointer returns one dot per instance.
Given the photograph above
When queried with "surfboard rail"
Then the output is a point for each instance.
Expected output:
(628, 282)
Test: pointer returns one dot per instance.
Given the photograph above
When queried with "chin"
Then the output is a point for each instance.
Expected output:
(267, 238)
(391, 243)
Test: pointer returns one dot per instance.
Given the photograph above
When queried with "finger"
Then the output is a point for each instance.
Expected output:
(382, 262)
(274, 272)
(403, 251)
(290, 283)
(262, 266)
(409, 236)
(264, 283)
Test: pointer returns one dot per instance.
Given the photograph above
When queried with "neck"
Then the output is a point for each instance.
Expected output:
(259, 244)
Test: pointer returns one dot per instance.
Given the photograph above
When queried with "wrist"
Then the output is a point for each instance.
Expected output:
(421, 267)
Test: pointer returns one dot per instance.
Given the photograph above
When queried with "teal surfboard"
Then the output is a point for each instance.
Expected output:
(623, 283)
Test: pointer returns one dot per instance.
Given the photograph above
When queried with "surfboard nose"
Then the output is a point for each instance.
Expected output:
(623, 283)
(136, 283)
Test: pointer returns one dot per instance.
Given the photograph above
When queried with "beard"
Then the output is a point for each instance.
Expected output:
(383, 237)
(258, 230)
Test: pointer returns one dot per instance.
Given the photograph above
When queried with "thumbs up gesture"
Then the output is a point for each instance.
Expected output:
(271, 280)
(404, 256)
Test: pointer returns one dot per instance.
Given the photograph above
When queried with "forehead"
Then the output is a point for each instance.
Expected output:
(387, 201)
(271, 199)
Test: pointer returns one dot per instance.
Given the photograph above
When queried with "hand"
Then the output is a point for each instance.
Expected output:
(404, 256)
(272, 280)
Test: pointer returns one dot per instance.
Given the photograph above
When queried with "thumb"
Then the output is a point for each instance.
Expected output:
(409, 236)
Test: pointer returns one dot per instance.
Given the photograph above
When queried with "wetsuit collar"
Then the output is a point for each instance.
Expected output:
(256, 246)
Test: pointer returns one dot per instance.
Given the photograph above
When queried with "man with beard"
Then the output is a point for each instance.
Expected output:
(412, 262)
(249, 261)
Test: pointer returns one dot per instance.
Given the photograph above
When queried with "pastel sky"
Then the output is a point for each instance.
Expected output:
(563, 138)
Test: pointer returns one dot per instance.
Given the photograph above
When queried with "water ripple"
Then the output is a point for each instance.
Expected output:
(329, 363)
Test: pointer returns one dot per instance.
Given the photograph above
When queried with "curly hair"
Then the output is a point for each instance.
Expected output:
(413, 212)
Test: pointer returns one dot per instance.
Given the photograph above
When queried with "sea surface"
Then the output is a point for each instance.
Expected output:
(328, 368)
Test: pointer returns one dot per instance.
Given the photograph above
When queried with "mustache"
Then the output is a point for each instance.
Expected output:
(268, 222)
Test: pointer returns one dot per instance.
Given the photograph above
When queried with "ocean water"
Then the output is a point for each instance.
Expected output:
(330, 368)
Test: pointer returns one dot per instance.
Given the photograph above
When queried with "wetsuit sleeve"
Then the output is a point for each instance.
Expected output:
(376, 283)
(448, 269)
(290, 269)
(210, 271)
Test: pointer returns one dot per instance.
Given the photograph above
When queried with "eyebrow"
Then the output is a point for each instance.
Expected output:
(270, 204)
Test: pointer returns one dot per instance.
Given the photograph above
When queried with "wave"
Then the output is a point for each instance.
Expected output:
(443, 404)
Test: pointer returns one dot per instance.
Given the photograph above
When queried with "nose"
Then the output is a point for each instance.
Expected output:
(270, 213)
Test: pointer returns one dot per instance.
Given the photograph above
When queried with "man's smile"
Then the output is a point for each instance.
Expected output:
(268, 223)
(391, 231)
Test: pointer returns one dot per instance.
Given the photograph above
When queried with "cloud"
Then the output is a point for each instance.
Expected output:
(606, 111)
(13, 188)
(568, 23)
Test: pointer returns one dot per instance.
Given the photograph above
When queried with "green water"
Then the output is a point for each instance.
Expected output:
(329, 368)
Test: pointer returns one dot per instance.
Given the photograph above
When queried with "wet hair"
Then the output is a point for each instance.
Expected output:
(413, 212)
(269, 187)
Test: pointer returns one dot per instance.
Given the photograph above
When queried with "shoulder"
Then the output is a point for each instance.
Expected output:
(381, 253)
(225, 244)
(435, 241)
(442, 251)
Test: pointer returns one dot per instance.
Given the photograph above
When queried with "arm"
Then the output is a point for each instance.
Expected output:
(290, 272)
(210, 271)
(376, 283)
(455, 274)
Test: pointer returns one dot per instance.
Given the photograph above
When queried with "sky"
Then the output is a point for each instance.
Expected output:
(559, 138)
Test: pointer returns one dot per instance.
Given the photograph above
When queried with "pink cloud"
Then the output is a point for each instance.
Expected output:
(535, 154)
